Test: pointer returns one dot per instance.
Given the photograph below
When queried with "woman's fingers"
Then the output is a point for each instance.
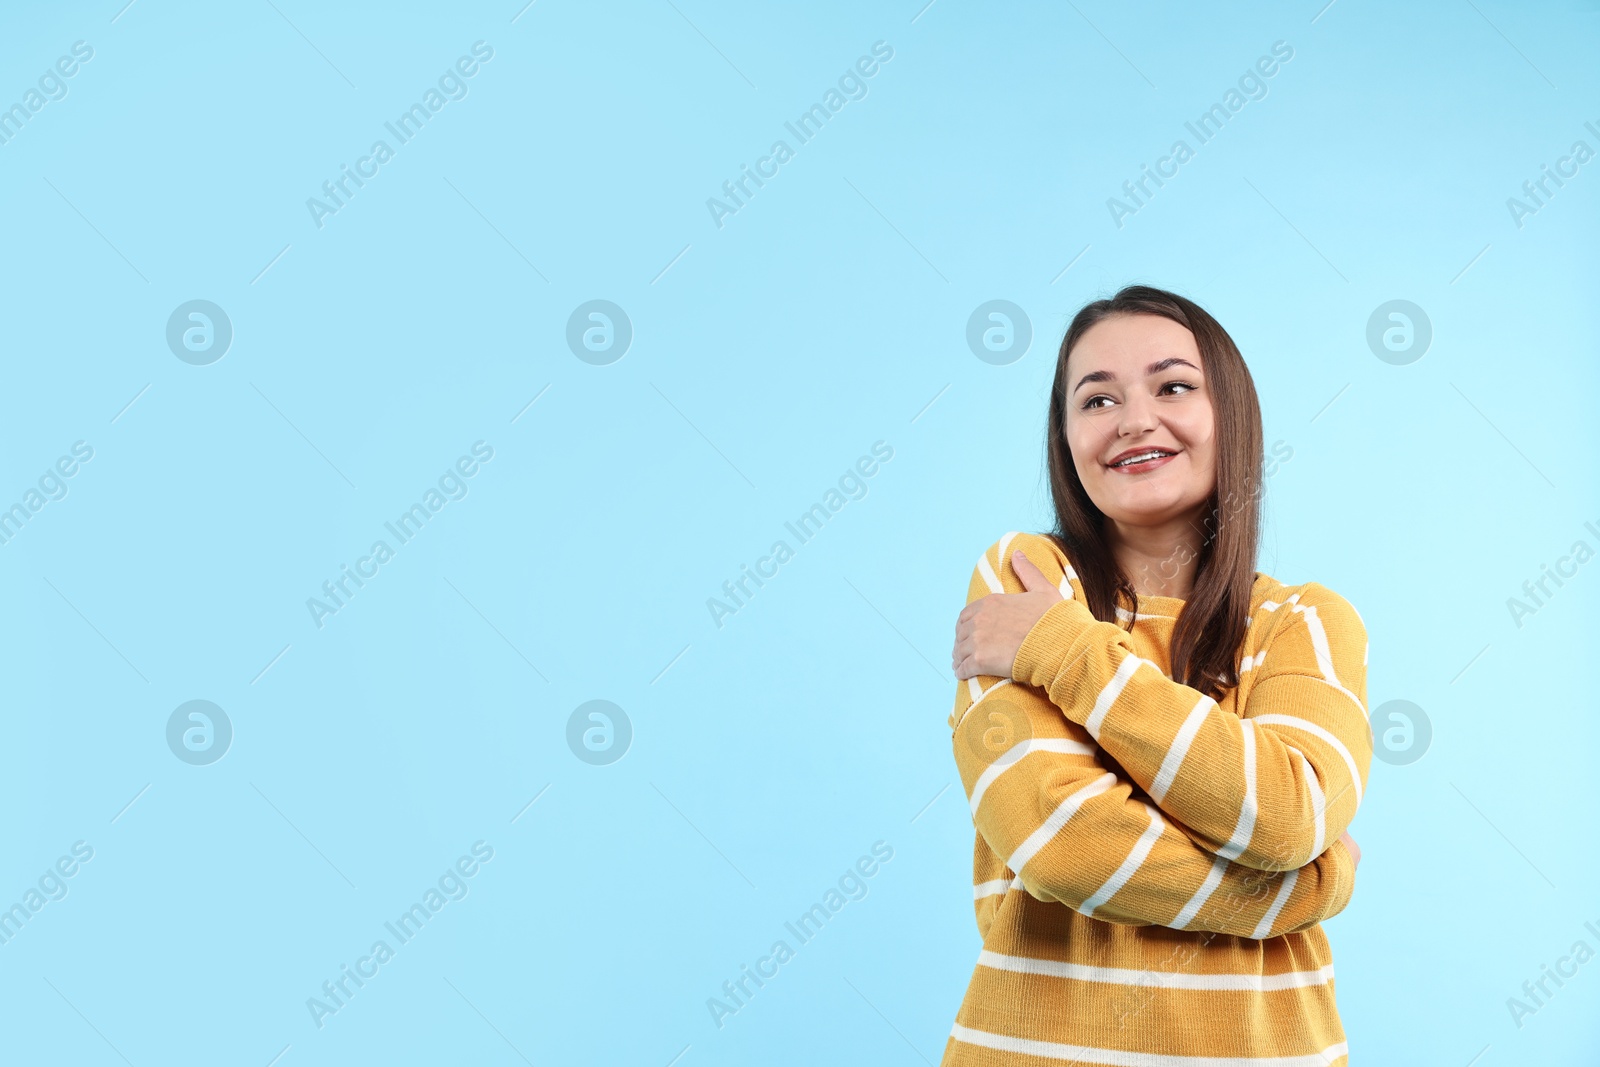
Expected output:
(1355, 849)
(1033, 579)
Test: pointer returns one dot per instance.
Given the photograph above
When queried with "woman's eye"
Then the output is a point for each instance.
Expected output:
(1095, 401)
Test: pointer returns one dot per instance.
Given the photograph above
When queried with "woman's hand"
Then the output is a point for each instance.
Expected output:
(990, 630)
(1355, 850)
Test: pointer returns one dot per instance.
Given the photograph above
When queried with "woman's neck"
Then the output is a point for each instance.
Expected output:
(1160, 560)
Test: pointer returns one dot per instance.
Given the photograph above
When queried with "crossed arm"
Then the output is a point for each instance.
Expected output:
(1045, 801)
(1268, 787)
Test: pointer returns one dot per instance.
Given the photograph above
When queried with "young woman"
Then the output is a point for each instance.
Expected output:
(1161, 746)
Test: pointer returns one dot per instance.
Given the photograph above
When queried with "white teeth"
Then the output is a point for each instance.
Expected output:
(1142, 456)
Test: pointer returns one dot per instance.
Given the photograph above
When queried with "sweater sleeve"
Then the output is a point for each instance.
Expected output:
(1073, 832)
(1269, 786)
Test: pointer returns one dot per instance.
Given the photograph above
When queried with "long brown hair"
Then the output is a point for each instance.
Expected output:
(1210, 628)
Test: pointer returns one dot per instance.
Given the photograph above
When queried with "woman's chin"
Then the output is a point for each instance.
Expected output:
(1147, 509)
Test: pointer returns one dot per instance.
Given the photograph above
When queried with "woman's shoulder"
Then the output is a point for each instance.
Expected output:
(1311, 602)
(1043, 551)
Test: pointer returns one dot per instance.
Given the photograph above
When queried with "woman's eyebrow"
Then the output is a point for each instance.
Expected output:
(1155, 368)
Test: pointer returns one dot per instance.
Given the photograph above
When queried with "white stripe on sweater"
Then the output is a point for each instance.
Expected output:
(1346, 692)
(987, 569)
(1319, 646)
(978, 694)
(1052, 825)
(1136, 856)
(1295, 722)
(1260, 983)
(1319, 803)
(1005, 543)
(1319, 641)
(995, 888)
(1011, 756)
(1219, 866)
(1180, 748)
(1264, 927)
(1112, 690)
(990, 579)
(1110, 1057)
(1245, 828)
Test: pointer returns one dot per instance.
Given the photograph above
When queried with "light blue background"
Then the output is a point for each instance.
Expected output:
(828, 314)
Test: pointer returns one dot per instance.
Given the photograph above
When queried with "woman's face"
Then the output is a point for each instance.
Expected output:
(1136, 384)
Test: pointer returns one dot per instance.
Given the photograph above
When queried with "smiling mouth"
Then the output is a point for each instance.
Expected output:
(1144, 460)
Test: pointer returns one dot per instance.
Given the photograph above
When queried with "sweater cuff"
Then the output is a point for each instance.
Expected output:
(1047, 644)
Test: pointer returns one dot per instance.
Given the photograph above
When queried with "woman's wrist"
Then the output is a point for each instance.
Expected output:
(1044, 649)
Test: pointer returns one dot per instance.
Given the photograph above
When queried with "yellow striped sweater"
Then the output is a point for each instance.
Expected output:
(1151, 866)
